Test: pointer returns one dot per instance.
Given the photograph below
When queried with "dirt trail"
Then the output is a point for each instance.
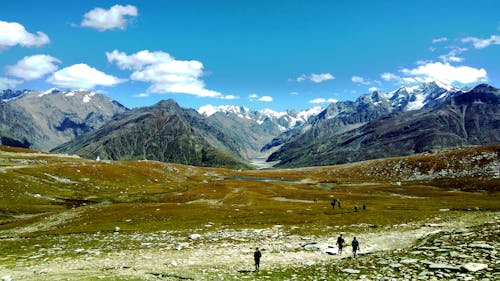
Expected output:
(217, 251)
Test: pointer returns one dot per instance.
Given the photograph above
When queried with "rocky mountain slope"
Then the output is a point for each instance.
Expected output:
(253, 129)
(164, 132)
(345, 131)
(44, 120)
(471, 118)
(343, 116)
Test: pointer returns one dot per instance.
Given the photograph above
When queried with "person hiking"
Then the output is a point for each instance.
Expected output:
(256, 257)
(355, 246)
(364, 207)
(340, 243)
(333, 203)
(356, 208)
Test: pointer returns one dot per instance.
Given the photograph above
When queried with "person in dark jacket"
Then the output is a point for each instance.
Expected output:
(340, 243)
(256, 257)
(355, 246)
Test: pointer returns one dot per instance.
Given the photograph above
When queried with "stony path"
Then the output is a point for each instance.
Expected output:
(224, 254)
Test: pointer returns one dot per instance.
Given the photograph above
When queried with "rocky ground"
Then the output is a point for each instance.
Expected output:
(461, 254)
(438, 250)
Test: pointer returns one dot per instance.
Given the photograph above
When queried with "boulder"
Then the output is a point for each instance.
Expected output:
(194, 236)
(409, 261)
(481, 245)
(473, 267)
(443, 266)
(331, 251)
(351, 271)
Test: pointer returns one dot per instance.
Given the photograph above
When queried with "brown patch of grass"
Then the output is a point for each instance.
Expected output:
(151, 196)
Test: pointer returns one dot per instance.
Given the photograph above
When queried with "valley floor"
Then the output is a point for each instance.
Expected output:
(405, 252)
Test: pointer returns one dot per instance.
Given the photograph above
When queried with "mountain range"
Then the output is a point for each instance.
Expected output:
(405, 121)
(460, 119)
(44, 120)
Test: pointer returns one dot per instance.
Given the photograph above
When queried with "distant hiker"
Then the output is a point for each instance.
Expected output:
(338, 202)
(256, 258)
(340, 243)
(364, 207)
(315, 200)
(356, 208)
(333, 203)
(355, 246)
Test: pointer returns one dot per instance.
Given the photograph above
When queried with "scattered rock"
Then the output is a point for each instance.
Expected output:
(409, 261)
(351, 271)
(194, 236)
(443, 266)
(311, 247)
(331, 252)
(473, 267)
(480, 245)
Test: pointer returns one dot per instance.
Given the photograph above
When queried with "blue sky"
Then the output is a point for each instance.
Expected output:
(260, 54)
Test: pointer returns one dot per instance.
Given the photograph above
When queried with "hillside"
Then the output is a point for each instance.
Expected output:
(163, 132)
(44, 120)
(343, 116)
(67, 217)
(471, 118)
(254, 129)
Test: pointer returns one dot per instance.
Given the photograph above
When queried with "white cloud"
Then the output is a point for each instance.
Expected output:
(33, 67)
(166, 74)
(482, 43)
(102, 19)
(373, 89)
(294, 93)
(13, 33)
(316, 78)
(452, 56)
(360, 80)
(253, 97)
(448, 58)
(439, 40)
(82, 76)
(265, 99)
(7, 83)
(387, 76)
(445, 72)
(231, 97)
(142, 95)
(138, 60)
(323, 100)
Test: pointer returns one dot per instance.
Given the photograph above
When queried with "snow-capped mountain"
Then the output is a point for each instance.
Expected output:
(43, 120)
(437, 118)
(343, 116)
(420, 96)
(285, 120)
(8, 94)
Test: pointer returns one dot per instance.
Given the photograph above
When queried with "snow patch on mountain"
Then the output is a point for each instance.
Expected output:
(209, 110)
(306, 114)
(50, 91)
(284, 119)
(88, 97)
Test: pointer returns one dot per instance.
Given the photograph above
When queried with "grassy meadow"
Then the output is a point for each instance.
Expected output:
(48, 199)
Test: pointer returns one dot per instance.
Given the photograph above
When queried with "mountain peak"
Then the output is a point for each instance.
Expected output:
(50, 91)
(208, 110)
(483, 88)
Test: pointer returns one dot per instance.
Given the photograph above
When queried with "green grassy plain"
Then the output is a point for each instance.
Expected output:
(46, 197)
